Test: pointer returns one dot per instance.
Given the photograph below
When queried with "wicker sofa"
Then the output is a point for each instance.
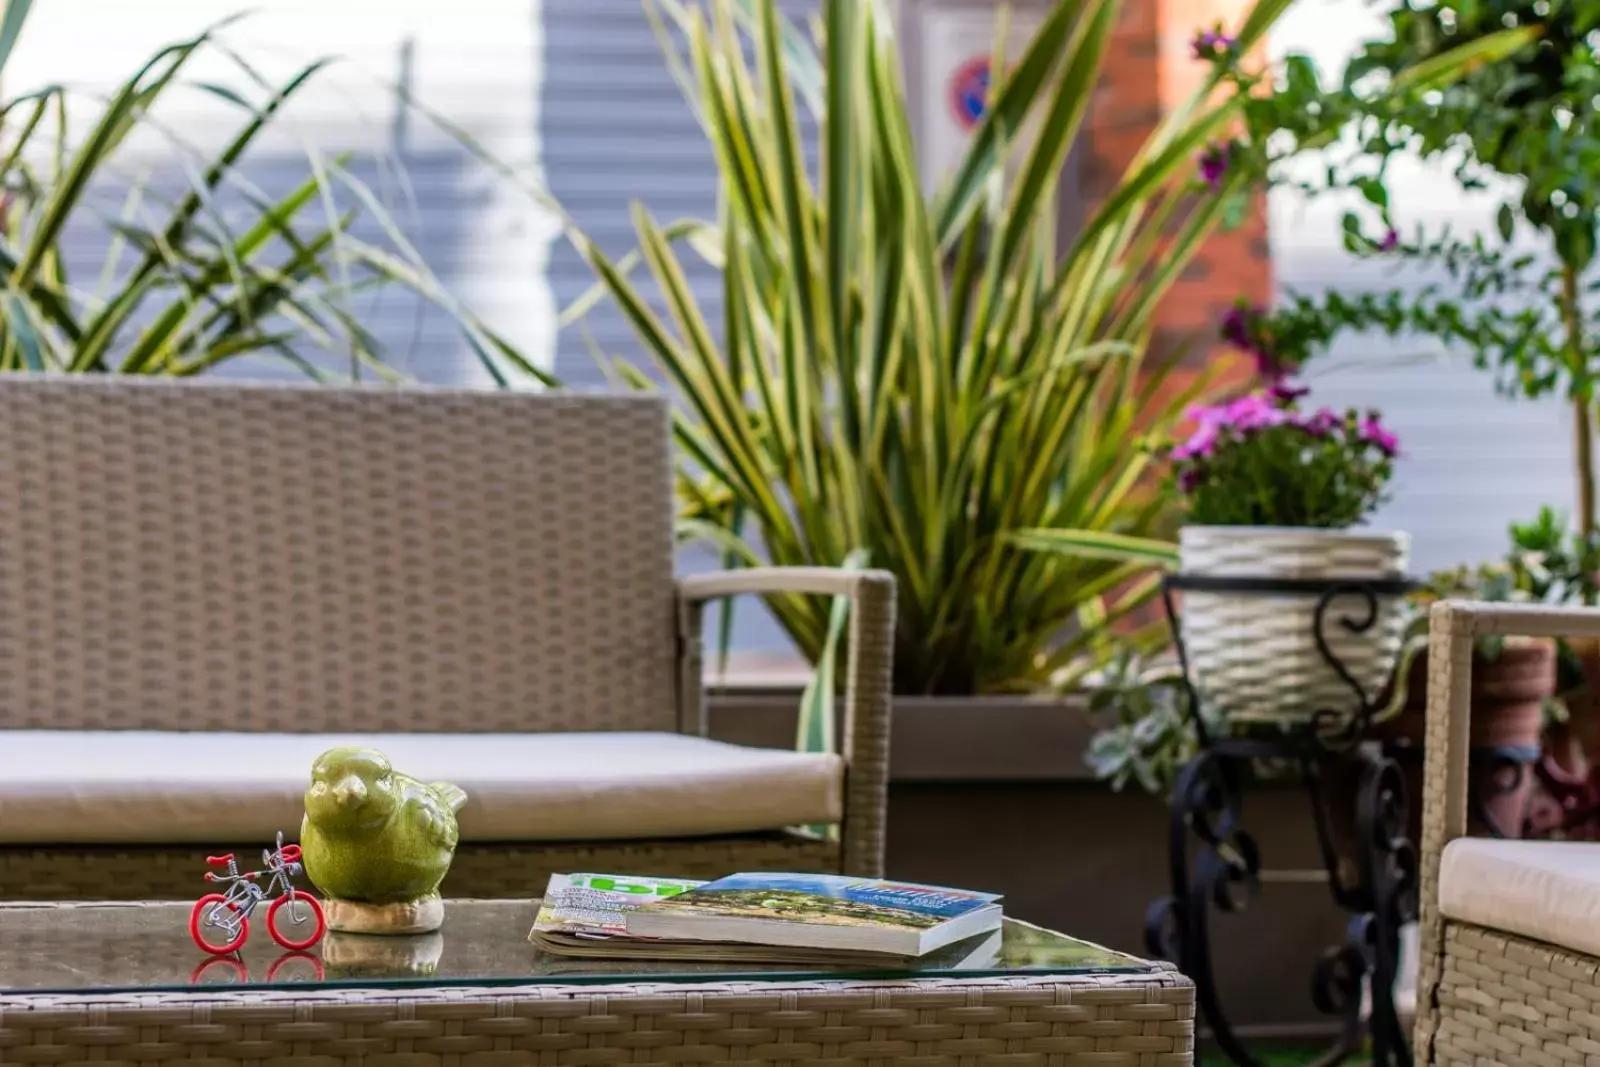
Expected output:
(203, 584)
(1510, 930)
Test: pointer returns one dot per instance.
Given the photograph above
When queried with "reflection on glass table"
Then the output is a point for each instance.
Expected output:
(71, 947)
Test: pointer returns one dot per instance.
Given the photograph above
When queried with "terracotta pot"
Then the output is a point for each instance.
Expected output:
(1575, 744)
(1508, 699)
(1508, 696)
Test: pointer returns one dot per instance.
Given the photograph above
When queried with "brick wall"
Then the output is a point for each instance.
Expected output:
(1147, 71)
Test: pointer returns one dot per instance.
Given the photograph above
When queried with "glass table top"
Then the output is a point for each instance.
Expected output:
(105, 948)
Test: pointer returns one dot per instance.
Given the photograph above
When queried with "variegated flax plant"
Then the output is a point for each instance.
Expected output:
(926, 384)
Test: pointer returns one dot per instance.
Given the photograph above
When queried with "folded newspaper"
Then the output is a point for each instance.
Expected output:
(586, 915)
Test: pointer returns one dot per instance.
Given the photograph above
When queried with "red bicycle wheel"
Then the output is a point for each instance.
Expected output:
(200, 919)
(312, 915)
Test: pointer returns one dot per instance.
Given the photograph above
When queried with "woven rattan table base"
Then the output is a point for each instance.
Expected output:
(1506, 1000)
(483, 871)
(1059, 1020)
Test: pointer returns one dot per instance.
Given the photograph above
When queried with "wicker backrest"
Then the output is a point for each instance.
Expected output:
(223, 555)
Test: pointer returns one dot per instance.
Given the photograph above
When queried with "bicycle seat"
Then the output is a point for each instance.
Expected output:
(220, 861)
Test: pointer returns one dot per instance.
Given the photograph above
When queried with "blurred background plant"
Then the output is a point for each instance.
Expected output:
(195, 278)
(1523, 130)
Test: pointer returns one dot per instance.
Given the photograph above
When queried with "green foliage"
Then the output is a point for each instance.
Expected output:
(1546, 563)
(928, 381)
(1551, 563)
(1145, 735)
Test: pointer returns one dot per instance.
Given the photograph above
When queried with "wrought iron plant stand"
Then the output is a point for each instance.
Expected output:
(1216, 864)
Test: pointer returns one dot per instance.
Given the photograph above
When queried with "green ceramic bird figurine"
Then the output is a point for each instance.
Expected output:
(373, 835)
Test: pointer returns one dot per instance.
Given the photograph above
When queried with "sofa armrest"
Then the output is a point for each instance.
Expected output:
(868, 672)
(1453, 629)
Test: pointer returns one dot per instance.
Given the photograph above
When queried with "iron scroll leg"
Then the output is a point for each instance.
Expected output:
(1225, 874)
(1390, 875)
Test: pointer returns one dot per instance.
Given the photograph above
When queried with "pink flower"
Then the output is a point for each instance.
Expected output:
(1200, 443)
(1372, 431)
(1255, 411)
(1207, 415)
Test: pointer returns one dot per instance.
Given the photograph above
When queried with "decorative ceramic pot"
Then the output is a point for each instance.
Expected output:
(1254, 656)
(1508, 699)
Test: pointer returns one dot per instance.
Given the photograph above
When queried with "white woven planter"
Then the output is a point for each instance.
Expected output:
(1254, 657)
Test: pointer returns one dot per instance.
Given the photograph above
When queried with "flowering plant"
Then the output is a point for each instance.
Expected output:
(1261, 460)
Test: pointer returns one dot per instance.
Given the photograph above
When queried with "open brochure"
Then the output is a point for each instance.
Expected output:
(587, 915)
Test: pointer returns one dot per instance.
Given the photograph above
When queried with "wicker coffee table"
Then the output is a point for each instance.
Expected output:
(123, 984)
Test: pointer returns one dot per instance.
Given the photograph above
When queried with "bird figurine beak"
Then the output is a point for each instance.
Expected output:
(350, 793)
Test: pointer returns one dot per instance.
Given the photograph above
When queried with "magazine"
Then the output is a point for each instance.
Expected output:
(819, 911)
(586, 915)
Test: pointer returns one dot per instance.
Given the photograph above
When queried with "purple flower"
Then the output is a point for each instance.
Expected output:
(1322, 422)
(1285, 394)
(1268, 369)
(1391, 240)
(1236, 327)
(1214, 163)
(1208, 44)
(1189, 479)
(1372, 431)
(1239, 330)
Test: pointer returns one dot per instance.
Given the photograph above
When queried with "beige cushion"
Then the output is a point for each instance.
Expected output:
(114, 787)
(1545, 890)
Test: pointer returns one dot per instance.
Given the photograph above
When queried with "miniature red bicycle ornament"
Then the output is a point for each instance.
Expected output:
(220, 922)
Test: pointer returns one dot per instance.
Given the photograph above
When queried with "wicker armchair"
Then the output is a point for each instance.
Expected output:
(203, 582)
(1510, 943)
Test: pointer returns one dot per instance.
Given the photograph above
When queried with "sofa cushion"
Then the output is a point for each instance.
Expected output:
(126, 787)
(1544, 890)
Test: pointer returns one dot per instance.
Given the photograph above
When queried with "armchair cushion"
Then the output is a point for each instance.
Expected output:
(1544, 890)
(87, 787)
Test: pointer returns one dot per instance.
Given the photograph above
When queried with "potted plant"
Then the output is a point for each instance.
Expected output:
(926, 382)
(1514, 686)
(1276, 491)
